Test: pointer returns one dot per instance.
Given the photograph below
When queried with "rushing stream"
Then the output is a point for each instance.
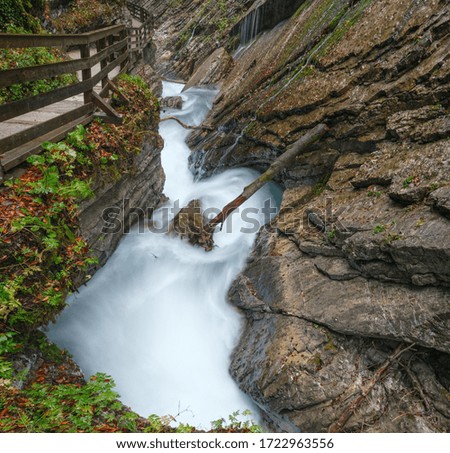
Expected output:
(156, 316)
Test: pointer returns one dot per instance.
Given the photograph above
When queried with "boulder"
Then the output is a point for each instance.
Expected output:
(172, 102)
(440, 200)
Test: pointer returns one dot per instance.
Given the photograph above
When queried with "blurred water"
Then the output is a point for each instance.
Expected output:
(156, 316)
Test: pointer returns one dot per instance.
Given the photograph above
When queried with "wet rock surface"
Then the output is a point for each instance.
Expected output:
(117, 205)
(359, 265)
(303, 374)
(212, 70)
(172, 102)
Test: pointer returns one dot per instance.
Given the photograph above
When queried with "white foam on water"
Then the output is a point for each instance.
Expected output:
(156, 316)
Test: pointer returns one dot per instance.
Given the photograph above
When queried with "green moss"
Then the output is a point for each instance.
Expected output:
(317, 360)
(330, 346)
(305, 5)
(379, 229)
(341, 24)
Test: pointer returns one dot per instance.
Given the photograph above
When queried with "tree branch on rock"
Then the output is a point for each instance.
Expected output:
(203, 127)
(190, 223)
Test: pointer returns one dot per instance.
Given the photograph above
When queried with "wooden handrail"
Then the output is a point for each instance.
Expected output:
(139, 36)
(17, 108)
(32, 73)
(115, 45)
(16, 41)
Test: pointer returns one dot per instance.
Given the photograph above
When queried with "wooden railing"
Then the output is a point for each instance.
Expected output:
(112, 51)
(139, 36)
(116, 49)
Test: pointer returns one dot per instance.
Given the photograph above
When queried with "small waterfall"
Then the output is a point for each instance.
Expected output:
(191, 37)
(250, 26)
(265, 15)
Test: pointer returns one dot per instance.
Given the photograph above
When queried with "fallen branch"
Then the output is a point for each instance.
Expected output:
(190, 223)
(354, 405)
(280, 164)
(186, 126)
(173, 80)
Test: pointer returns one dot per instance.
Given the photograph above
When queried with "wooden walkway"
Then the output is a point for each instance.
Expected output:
(97, 58)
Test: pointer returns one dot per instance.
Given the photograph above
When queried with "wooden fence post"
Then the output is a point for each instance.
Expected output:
(111, 41)
(101, 44)
(124, 35)
(86, 74)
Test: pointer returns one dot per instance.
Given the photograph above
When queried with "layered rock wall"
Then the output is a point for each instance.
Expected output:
(357, 261)
(105, 218)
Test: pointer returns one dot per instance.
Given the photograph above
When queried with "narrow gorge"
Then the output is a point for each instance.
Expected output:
(357, 260)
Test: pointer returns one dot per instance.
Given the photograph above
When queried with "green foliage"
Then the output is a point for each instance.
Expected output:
(185, 428)
(46, 252)
(321, 186)
(408, 181)
(8, 345)
(19, 13)
(237, 422)
(85, 15)
(392, 237)
(133, 79)
(155, 424)
(379, 229)
(66, 408)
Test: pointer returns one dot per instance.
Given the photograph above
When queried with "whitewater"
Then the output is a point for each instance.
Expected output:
(156, 316)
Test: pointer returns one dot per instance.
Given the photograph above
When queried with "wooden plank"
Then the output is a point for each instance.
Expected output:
(95, 35)
(22, 137)
(105, 107)
(20, 75)
(124, 69)
(17, 108)
(86, 74)
(11, 41)
(18, 155)
(115, 88)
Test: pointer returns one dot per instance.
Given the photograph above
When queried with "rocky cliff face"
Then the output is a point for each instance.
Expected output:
(117, 205)
(357, 261)
(188, 31)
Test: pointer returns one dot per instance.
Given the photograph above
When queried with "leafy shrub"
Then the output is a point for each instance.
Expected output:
(84, 15)
(40, 252)
(19, 13)
(65, 408)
